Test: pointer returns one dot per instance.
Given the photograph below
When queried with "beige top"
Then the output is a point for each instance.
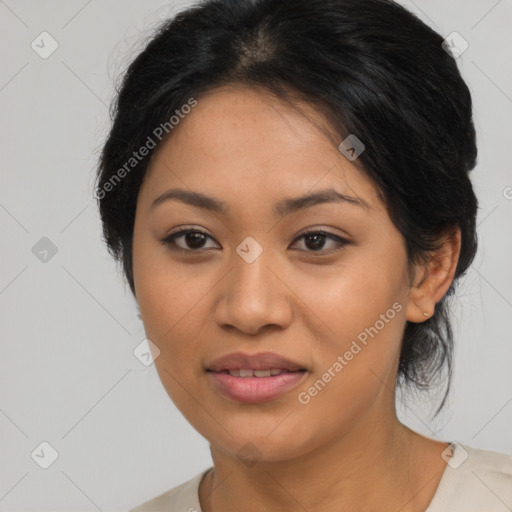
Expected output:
(474, 481)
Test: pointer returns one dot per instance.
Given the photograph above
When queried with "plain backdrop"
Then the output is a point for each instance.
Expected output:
(68, 323)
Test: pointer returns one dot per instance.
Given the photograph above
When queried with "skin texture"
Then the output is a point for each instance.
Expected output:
(250, 150)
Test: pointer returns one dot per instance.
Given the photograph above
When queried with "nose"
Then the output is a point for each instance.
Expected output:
(254, 296)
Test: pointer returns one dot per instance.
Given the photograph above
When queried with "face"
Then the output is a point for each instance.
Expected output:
(321, 283)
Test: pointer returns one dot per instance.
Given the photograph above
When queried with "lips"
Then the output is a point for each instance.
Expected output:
(255, 378)
(263, 361)
(246, 372)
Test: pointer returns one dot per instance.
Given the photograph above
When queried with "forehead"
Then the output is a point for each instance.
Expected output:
(237, 141)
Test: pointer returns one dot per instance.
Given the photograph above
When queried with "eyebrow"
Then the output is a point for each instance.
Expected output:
(281, 208)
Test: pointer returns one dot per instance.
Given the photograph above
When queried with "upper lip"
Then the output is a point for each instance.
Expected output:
(261, 361)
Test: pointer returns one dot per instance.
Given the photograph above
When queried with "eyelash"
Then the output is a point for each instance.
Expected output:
(340, 242)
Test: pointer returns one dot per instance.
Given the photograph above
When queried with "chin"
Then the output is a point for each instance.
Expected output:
(257, 442)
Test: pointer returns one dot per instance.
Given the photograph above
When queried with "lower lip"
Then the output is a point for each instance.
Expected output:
(254, 390)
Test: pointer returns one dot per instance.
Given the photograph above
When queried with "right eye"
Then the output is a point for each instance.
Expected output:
(192, 239)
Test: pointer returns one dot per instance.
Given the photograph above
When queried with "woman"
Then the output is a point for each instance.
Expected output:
(286, 185)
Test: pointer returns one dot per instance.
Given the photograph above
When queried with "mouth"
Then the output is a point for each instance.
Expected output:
(256, 378)
(264, 361)
(245, 373)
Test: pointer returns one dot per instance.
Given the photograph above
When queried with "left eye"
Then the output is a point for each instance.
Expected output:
(195, 241)
(315, 240)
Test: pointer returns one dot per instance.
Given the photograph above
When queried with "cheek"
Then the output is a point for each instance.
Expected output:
(362, 310)
(171, 301)
(352, 296)
(174, 309)
(166, 290)
(355, 370)
(174, 317)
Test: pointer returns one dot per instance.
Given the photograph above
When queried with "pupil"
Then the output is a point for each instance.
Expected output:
(194, 240)
(318, 243)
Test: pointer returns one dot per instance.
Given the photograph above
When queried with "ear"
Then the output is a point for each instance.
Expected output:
(433, 278)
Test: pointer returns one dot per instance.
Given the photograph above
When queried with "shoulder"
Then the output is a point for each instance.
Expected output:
(474, 480)
(184, 497)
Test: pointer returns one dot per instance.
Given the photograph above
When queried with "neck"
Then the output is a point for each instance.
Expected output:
(380, 461)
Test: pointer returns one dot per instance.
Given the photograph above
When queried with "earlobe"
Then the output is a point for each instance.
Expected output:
(435, 278)
(420, 305)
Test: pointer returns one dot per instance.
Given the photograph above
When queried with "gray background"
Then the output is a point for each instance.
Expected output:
(68, 375)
